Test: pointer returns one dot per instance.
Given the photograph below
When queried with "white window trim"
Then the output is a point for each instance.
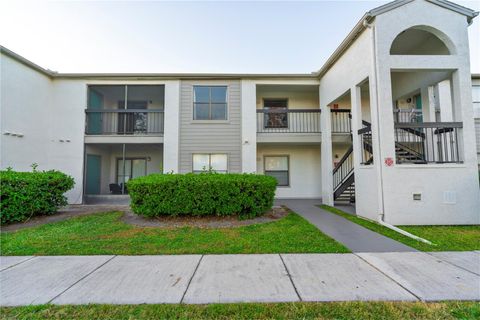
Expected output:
(288, 168)
(210, 160)
(476, 108)
(209, 121)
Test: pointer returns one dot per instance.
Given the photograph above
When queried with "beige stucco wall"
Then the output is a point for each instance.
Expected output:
(298, 96)
(304, 169)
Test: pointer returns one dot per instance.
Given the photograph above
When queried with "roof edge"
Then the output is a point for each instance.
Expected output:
(27, 62)
(345, 44)
(469, 13)
(370, 16)
(388, 6)
(186, 75)
(54, 74)
(442, 3)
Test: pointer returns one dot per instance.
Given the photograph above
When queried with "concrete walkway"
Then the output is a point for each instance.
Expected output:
(351, 235)
(194, 279)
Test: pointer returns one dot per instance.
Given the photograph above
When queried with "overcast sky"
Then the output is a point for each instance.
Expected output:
(237, 37)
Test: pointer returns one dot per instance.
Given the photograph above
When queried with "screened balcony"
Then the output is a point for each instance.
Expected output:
(108, 167)
(426, 119)
(125, 110)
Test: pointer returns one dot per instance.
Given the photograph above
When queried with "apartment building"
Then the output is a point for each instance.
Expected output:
(387, 123)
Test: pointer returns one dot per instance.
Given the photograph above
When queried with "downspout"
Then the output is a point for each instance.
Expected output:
(381, 209)
(405, 233)
(381, 215)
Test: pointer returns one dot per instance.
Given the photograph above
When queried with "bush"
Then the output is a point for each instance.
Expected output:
(25, 194)
(205, 194)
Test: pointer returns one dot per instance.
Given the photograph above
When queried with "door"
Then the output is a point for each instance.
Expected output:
(135, 122)
(418, 108)
(93, 174)
(276, 118)
(134, 167)
(139, 168)
(94, 120)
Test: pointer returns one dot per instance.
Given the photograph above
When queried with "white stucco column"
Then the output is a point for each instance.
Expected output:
(431, 105)
(249, 127)
(425, 103)
(356, 124)
(327, 163)
(171, 126)
(462, 111)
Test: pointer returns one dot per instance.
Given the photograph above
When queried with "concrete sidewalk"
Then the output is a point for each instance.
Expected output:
(353, 236)
(405, 276)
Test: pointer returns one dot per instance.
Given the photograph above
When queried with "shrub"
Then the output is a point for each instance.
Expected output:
(245, 195)
(25, 194)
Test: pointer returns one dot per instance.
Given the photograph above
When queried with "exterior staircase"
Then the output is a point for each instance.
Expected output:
(344, 174)
(347, 195)
(407, 154)
(344, 179)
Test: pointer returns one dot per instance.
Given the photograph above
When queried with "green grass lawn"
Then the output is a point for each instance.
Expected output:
(444, 238)
(334, 310)
(105, 233)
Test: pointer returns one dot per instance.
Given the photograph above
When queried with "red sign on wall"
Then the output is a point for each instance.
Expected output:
(389, 162)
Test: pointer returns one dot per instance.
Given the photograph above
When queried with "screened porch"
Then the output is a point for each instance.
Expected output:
(108, 167)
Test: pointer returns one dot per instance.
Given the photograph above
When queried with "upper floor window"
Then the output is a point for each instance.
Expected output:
(209, 103)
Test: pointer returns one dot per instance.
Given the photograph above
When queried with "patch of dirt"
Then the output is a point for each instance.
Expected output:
(273, 214)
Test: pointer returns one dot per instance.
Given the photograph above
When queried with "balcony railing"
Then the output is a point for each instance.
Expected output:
(124, 122)
(365, 139)
(343, 169)
(341, 120)
(288, 120)
(407, 116)
(428, 142)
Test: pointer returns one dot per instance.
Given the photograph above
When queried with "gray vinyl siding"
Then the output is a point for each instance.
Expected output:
(210, 137)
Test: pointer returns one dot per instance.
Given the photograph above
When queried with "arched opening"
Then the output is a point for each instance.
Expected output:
(421, 40)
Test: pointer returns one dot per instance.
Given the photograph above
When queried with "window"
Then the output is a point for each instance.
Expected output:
(277, 167)
(134, 167)
(476, 101)
(210, 161)
(209, 103)
(276, 117)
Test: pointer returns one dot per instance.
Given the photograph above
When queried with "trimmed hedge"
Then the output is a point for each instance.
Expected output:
(25, 194)
(204, 194)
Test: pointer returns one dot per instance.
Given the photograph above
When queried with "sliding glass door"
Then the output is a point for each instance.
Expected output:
(130, 168)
